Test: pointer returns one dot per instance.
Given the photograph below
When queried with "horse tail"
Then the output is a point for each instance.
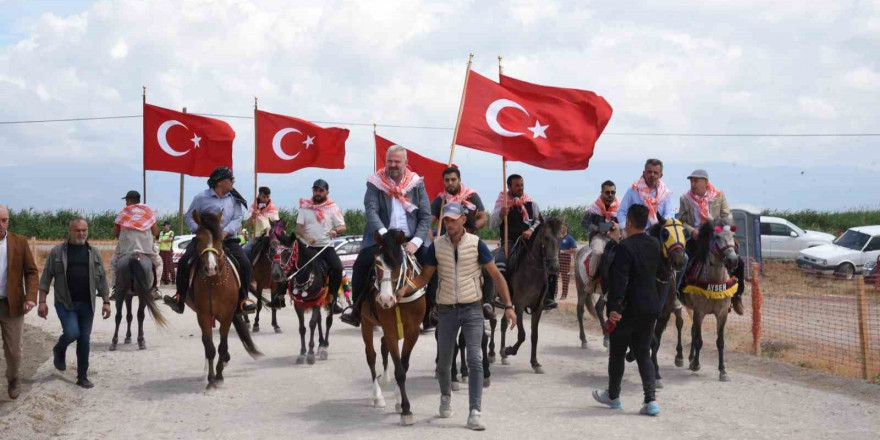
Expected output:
(582, 279)
(245, 336)
(142, 288)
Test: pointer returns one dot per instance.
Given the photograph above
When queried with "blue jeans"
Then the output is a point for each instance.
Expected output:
(468, 318)
(77, 325)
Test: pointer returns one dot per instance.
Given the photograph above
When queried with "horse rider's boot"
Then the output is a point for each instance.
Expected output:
(175, 302)
(351, 315)
(737, 303)
(549, 299)
(245, 305)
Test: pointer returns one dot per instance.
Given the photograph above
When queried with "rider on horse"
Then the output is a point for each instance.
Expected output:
(220, 198)
(704, 203)
(318, 223)
(599, 219)
(456, 192)
(136, 229)
(523, 217)
(650, 192)
(395, 199)
(263, 213)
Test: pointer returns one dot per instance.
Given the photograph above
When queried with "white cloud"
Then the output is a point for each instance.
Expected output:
(817, 108)
(863, 78)
(119, 50)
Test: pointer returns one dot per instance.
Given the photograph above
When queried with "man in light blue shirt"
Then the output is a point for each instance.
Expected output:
(650, 192)
(219, 198)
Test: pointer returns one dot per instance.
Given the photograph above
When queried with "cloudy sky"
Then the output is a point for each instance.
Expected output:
(708, 66)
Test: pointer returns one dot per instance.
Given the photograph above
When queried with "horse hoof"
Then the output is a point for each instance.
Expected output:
(723, 377)
(255, 329)
(384, 380)
(464, 379)
(211, 386)
(301, 359)
(584, 345)
(538, 369)
(142, 344)
(310, 359)
(278, 330)
(486, 382)
(491, 358)
(127, 341)
(679, 362)
(406, 420)
(455, 386)
(112, 346)
(398, 407)
(695, 366)
(379, 403)
(322, 356)
(658, 385)
(504, 361)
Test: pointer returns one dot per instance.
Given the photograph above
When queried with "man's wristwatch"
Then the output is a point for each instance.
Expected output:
(510, 307)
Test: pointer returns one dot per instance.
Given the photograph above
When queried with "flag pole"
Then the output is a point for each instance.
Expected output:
(143, 165)
(180, 206)
(504, 180)
(255, 164)
(375, 147)
(460, 109)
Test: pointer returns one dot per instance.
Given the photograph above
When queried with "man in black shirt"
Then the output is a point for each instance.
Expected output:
(633, 306)
(78, 274)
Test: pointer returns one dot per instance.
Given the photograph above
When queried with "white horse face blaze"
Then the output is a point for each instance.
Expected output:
(211, 264)
(386, 298)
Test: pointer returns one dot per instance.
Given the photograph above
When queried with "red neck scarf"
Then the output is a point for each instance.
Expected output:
(702, 203)
(396, 190)
(651, 202)
(139, 217)
(514, 202)
(598, 208)
(462, 197)
(321, 209)
(262, 213)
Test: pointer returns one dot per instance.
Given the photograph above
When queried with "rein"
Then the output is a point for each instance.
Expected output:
(409, 264)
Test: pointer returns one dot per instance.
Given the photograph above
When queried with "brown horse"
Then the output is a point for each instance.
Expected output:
(393, 269)
(261, 276)
(214, 295)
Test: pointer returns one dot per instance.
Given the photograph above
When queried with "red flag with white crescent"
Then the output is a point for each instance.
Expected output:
(185, 143)
(286, 144)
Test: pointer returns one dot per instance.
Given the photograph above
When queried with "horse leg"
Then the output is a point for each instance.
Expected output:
(581, 305)
(128, 317)
(115, 340)
(322, 336)
(600, 315)
(462, 351)
(376, 399)
(223, 350)
(536, 319)
(385, 378)
(484, 346)
(679, 324)
(491, 355)
(259, 294)
(721, 321)
(313, 323)
(659, 328)
(329, 323)
(406, 416)
(520, 334)
(697, 341)
(275, 311)
(503, 349)
(210, 351)
(142, 342)
(300, 314)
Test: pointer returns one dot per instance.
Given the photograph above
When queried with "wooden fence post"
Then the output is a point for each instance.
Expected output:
(757, 304)
(861, 302)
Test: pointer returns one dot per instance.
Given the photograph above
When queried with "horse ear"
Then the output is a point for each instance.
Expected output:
(197, 218)
(400, 237)
(661, 219)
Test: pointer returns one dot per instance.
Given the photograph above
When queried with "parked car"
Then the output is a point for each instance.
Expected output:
(178, 246)
(871, 271)
(347, 247)
(847, 255)
(781, 238)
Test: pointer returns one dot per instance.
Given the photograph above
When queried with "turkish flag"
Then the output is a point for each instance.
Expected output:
(548, 127)
(185, 143)
(430, 170)
(286, 144)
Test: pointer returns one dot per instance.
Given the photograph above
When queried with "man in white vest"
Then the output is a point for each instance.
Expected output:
(460, 259)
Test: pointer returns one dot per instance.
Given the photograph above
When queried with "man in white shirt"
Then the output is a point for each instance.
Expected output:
(318, 223)
(396, 199)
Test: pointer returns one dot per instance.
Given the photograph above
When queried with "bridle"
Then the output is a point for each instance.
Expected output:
(675, 240)
(408, 271)
(548, 260)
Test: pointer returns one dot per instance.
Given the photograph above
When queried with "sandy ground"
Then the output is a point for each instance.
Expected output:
(160, 393)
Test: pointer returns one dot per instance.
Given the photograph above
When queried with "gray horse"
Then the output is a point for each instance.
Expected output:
(708, 287)
(134, 277)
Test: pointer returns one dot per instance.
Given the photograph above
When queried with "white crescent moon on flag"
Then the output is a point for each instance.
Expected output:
(276, 143)
(492, 116)
(162, 137)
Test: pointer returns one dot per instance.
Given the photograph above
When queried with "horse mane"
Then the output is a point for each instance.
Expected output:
(392, 253)
(704, 241)
(555, 225)
(210, 222)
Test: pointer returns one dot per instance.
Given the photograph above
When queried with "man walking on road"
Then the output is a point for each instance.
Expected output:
(459, 258)
(18, 295)
(78, 274)
(633, 307)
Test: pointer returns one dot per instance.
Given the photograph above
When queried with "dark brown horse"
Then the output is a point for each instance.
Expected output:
(134, 277)
(538, 259)
(214, 296)
(261, 276)
(297, 270)
(393, 269)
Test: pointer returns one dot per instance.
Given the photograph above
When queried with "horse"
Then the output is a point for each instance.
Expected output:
(134, 276)
(296, 268)
(214, 296)
(670, 233)
(392, 269)
(527, 278)
(261, 276)
(708, 287)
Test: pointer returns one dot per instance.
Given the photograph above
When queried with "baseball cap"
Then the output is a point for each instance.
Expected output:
(453, 210)
(132, 195)
(699, 174)
(321, 183)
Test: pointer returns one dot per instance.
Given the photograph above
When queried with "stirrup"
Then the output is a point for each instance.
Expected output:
(247, 306)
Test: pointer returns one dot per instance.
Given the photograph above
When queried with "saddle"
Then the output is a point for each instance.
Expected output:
(259, 246)
(509, 264)
(233, 263)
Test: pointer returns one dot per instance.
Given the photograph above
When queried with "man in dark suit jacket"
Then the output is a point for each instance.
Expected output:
(19, 279)
(395, 199)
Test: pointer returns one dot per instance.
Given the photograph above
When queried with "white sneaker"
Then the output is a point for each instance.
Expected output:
(445, 406)
(474, 421)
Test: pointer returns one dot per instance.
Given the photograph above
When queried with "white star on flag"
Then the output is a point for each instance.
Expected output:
(309, 141)
(195, 140)
(538, 130)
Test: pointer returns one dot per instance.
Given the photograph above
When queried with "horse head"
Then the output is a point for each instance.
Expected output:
(670, 232)
(718, 242)
(284, 257)
(209, 247)
(389, 265)
(546, 239)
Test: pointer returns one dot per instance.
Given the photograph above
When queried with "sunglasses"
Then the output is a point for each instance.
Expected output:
(610, 193)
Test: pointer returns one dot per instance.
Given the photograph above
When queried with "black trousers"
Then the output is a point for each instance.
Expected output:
(636, 333)
(233, 247)
(334, 265)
